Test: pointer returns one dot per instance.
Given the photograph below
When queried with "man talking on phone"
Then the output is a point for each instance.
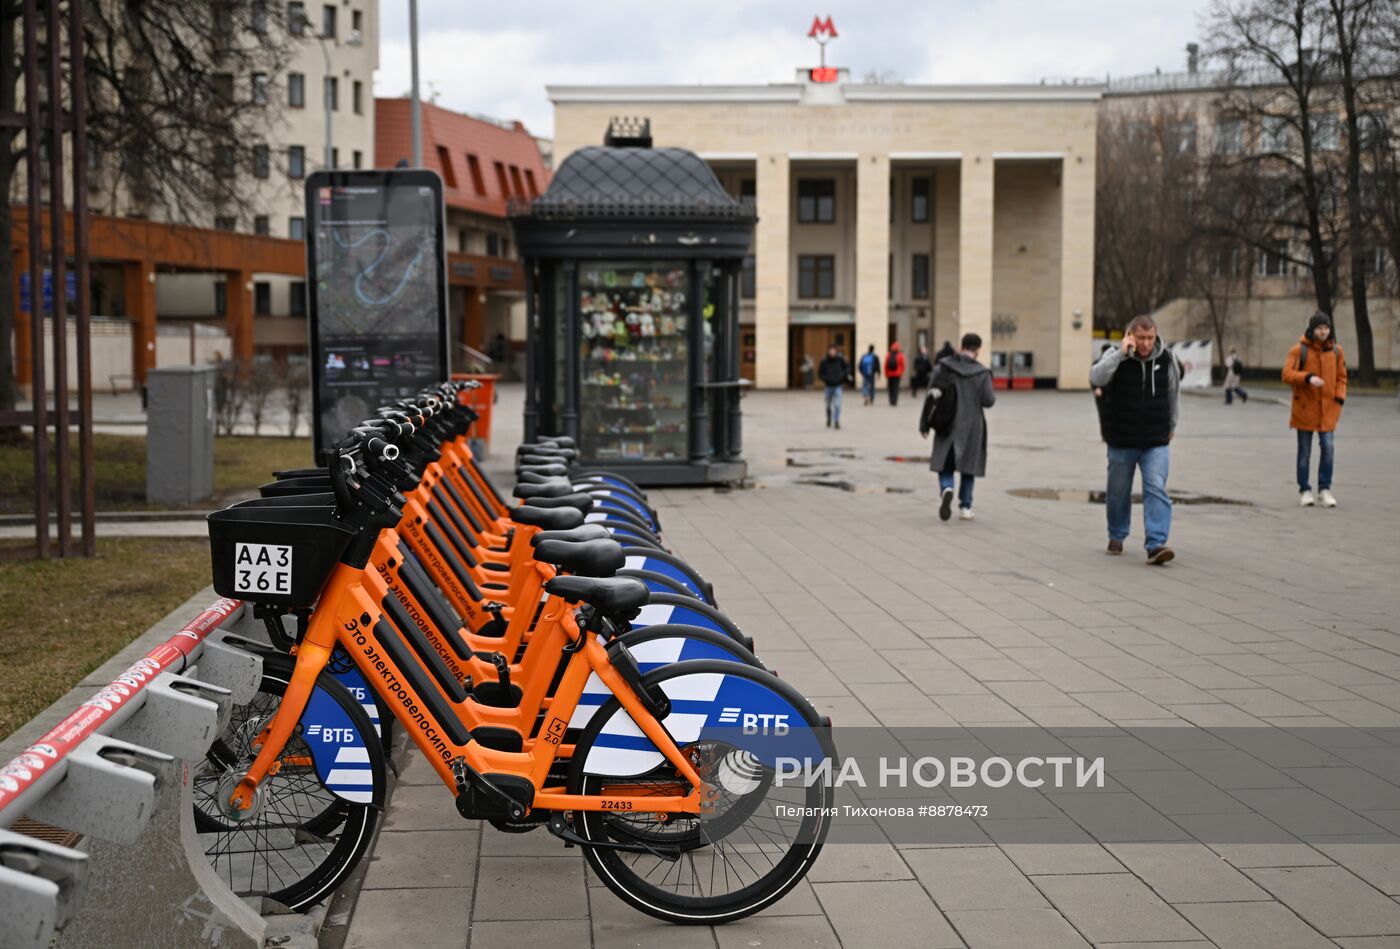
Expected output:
(1138, 385)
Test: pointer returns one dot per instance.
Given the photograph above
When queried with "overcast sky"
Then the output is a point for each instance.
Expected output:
(496, 58)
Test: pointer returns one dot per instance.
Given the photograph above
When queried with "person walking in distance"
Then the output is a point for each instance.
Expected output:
(834, 371)
(1138, 387)
(1317, 371)
(1234, 371)
(894, 371)
(923, 369)
(869, 371)
(962, 447)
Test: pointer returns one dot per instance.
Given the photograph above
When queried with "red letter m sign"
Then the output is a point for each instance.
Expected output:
(822, 30)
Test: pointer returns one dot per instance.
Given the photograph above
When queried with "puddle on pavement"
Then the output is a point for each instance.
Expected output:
(853, 487)
(829, 452)
(1097, 497)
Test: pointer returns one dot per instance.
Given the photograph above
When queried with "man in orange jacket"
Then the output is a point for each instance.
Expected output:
(894, 371)
(1317, 371)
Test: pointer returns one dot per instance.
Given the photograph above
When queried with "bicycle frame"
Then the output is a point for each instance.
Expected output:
(349, 616)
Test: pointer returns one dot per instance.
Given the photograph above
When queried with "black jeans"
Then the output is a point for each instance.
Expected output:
(894, 382)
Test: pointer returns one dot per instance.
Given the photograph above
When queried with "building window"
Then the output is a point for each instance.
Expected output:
(328, 22)
(262, 161)
(1181, 138)
(335, 157)
(920, 200)
(918, 277)
(493, 245)
(474, 167)
(1373, 260)
(1325, 131)
(262, 298)
(748, 188)
(356, 158)
(223, 223)
(1229, 136)
(1272, 261)
(221, 299)
(357, 97)
(515, 181)
(296, 90)
(816, 200)
(223, 87)
(357, 21)
(261, 225)
(501, 179)
(816, 276)
(331, 95)
(748, 279)
(1225, 262)
(449, 176)
(224, 159)
(1275, 134)
(258, 20)
(461, 240)
(296, 19)
(530, 183)
(296, 228)
(259, 82)
(296, 298)
(505, 246)
(296, 162)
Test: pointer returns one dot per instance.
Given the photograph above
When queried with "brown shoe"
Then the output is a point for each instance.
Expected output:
(1159, 555)
(1115, 546)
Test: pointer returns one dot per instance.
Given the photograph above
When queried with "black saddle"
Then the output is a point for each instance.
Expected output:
(592, 558)
(611, 595)
(551, 519)
(563, 441)
(579, 502)
(553, 488)
(575, 536)
(541, 474)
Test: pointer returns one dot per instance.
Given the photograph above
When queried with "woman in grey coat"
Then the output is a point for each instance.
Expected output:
(963, 448)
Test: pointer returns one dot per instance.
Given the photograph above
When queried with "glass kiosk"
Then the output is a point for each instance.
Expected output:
(633, 258)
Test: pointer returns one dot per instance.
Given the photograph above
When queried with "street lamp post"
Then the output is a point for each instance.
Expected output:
(352, 40)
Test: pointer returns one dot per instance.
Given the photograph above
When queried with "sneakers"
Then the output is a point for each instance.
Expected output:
(966, 514)
(1324, 497)
(1306, 499)
(1159, 555)
(1115, 547)
(945, 508)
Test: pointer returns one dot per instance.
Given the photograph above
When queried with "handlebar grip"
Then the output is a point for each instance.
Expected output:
(388, 451)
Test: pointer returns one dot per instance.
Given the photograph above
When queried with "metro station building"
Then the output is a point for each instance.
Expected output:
(891, 212)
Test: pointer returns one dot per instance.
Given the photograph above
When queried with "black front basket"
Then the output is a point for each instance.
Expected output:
(276, 556)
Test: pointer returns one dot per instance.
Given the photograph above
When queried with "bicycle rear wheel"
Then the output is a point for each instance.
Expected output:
(300, 840)
(764, 834)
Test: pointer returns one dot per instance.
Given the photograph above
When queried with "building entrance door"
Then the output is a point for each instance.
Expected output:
(813, 341)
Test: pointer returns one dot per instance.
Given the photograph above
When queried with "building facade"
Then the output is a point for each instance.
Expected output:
(484, 164)
(891, 212)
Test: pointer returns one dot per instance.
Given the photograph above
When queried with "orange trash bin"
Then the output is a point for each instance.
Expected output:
(482, 399)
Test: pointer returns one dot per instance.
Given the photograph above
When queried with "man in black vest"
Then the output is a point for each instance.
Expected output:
(1138, 385)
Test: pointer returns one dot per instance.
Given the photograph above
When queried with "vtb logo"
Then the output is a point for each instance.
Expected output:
(755, 723)
(823, 31)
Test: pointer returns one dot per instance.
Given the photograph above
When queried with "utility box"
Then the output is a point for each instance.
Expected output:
(180, 434)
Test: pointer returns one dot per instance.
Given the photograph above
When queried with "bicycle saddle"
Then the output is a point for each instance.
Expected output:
(548, 451)
(562, 441)
(592, 558)
(579, 502)
(554, 488)
(549, 468)
(533, 459)
(576, 535)
(555, 519)
(536, 476)
(609, 595)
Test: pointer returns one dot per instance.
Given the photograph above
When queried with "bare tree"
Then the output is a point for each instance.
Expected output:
(173, 113)
(230, 395)
(262, 381)
(296, 394)
(1282, 60)
(1146, 192)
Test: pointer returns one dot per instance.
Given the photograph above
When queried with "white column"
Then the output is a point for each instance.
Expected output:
(772, 266)
(1076, 270)
(975, 249)
(872, 252)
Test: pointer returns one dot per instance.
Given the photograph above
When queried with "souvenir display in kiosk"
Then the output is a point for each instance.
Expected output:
(632, 319)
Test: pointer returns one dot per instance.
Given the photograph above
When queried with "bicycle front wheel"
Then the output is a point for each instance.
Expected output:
(763, 833)
(300, 840)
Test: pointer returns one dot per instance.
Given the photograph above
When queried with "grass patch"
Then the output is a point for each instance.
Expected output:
(241, 463)
(67, 617)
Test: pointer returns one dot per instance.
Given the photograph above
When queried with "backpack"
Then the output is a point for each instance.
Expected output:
(869, 363)
(940, 407)
(891, 363)
(1239, 367)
